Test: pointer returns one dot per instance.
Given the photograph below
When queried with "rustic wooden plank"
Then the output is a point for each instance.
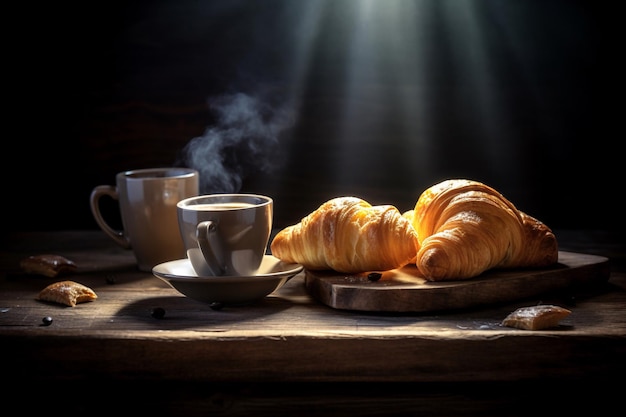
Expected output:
(405, 290)
(302, 359)
(288, 336)
(125, 308)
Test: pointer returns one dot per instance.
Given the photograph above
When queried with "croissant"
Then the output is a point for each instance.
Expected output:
(348, 235)
(465, 227)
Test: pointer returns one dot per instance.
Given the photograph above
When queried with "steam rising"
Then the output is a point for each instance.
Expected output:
(244, 141)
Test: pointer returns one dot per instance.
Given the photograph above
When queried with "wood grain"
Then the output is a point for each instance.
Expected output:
(404, 290)
(290, 354)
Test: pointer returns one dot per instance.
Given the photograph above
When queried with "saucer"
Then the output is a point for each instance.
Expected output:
(272, 274)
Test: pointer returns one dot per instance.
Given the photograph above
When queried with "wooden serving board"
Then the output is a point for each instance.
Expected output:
(404, 290)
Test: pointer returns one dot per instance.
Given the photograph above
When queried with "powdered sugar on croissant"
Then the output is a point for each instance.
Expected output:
(466, 227)
(348, 235)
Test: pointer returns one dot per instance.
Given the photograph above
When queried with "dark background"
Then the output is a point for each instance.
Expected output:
(522, 95)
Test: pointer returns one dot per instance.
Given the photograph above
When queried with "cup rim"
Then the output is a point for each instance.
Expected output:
(184, 203)
(177, 172)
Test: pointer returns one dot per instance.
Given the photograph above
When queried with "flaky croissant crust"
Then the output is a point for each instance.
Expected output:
(465, 227)
(348, 235)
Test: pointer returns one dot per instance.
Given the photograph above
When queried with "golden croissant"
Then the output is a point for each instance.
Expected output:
(348, 235)
(465, 227)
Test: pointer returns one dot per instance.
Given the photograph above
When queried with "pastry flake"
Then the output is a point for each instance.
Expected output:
(48, 265)
(536, 317)
(68, 293)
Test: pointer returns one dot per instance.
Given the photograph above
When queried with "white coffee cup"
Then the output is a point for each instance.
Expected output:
(226, 234)
(147, 201)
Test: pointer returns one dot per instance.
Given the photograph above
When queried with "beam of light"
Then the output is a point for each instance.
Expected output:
(407, 92)
(415, 66)
(497, 51)
(379, 105)
(479, 47)
(304, 26)
(261, 103)
(386, 80)
(473, 64)
(395, 42)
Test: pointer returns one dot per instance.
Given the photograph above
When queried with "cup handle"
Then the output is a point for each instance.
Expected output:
(203, 230)
(94, 201)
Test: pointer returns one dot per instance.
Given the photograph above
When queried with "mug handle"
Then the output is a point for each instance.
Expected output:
(203, 230)
(94, 201)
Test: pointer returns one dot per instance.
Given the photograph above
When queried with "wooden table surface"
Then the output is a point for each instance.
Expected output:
(244, 358)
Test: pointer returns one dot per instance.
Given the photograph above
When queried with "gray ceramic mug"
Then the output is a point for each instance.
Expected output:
(226, 234)
(147, 200)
